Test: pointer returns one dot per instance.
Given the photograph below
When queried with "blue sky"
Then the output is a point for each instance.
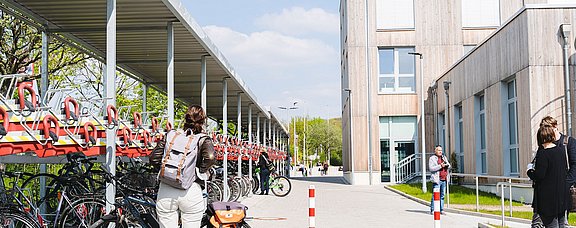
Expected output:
(285, 50)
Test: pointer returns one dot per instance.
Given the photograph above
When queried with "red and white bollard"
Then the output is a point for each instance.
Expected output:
(436, 207)
(312, 206)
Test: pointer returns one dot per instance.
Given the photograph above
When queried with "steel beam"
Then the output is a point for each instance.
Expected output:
(203, 83)
(170, 72)
(110, 93)
(225, 133)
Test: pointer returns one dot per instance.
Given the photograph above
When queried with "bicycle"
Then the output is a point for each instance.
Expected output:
(280, 185)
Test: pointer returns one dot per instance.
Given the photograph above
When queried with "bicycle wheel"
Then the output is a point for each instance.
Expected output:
(234, 190)
(82, 213)
(17, 219)
(214, 192)
(49, 202)
(280, 186)
(255, 185)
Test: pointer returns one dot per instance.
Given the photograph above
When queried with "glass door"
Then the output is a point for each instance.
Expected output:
(385, 160)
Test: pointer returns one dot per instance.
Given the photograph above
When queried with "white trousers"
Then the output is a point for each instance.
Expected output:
(189, 202)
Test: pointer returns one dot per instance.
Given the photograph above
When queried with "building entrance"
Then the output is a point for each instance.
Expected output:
(400, 150)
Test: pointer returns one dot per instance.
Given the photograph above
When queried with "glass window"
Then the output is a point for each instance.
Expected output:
(386, 59)
(484, 13)
(481, 134)
(512, 126)
(395, 14)
(460, 139)
(396, 70)
(561, 1)
(406, 60)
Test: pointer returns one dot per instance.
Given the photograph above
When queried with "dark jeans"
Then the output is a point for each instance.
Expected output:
(442, 186)
(264, 178)
(553, 222)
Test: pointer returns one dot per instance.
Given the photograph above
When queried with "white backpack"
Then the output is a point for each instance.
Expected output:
(178, 167)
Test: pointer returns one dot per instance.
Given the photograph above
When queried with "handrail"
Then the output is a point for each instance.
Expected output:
(502, 184)
(476, 177)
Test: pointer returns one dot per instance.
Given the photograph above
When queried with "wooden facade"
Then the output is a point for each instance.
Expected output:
(525, 47)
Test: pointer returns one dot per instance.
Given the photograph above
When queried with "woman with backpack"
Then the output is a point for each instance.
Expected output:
(189, 202)
(263, 161)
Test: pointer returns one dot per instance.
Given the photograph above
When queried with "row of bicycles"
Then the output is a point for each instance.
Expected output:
(74, 196)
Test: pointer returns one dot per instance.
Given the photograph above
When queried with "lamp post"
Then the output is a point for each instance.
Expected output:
(294, 122)
(422, 121)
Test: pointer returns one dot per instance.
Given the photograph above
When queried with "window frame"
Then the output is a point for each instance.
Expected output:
(481, 134)
(459, 122)
(395, 28)
(396, 75)
(514, 102)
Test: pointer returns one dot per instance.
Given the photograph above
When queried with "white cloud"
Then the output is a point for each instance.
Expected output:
(268, 49)
(297, 21)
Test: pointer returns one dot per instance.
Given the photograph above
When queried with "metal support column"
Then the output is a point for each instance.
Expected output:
(270, 131)
(239, 135)
(110, 94)
(203, 83)
(170, 74)
(225, 133)
(258, 129)
(44, 69)
(250, 142)
(42, 92)
(264, 132)
(145, 97)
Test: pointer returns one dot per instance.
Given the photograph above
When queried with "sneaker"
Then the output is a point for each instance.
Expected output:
(442, 213)
(431, 213)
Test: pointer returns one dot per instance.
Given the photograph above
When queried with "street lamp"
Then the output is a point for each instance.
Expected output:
(422, 120)
(294, 139)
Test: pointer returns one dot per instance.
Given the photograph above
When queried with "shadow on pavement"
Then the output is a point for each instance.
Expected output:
(419, 211)
(322, 179)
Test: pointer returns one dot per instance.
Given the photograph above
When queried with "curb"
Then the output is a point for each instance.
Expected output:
(456, 211)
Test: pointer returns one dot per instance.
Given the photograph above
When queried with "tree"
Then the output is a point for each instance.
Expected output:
(20, 45)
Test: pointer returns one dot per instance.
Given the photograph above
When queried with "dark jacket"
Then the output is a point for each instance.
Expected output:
(263, 163)
(550, 186)
(571, 178)
(206, 157)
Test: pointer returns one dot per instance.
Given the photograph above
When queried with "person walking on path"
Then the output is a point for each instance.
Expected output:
(549, 174)
(325, 168)
(438, 165)
(263, 161)
(189, 203)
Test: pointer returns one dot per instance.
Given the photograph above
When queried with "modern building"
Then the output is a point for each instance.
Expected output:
(502, 62)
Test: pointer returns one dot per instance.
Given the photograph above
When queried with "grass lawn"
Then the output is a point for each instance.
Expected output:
(462, 195)
(528, 215)
(458, 194)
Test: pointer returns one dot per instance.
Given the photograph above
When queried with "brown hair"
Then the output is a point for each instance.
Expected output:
(195, 119)
(549, 121)
(545, 134)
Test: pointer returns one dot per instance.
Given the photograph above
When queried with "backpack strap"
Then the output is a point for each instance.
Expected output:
(566, 151)
(186, 150)
(168, 153)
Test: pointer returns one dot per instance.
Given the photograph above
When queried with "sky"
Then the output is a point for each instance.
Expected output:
(285, 50)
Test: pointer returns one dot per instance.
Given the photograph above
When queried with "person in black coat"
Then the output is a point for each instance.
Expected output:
(549, 176)
(264, 172)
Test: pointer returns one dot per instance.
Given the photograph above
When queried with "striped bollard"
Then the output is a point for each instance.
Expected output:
(312, 206)
(436, 207)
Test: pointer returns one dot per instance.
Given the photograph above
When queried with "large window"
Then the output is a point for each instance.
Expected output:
(459, 139)
(484, 13)
(395, 14)
(481, 134)
(512, 126)
(396, 70)
(441, 131)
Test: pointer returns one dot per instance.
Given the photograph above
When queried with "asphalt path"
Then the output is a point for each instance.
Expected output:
(341, 205)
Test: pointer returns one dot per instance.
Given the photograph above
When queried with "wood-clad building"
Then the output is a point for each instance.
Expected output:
(503, 59)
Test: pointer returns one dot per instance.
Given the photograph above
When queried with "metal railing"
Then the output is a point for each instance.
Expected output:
(406, 168)
(510, 184)
(475, 176)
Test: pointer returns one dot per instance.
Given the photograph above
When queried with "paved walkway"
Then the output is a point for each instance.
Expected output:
(340, 205)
